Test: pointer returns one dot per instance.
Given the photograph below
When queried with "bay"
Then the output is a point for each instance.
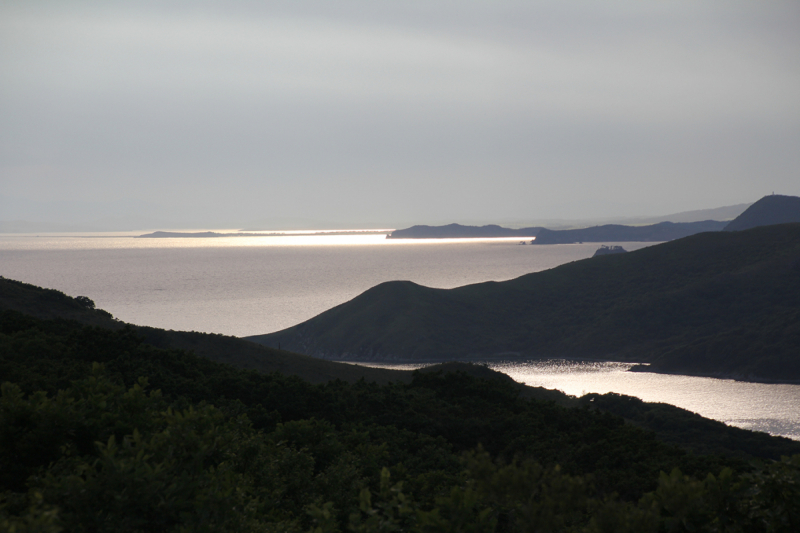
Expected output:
(252, 285)
(769, 407)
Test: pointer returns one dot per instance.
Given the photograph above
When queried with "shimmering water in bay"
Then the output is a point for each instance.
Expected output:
(252, 285)
(768, 407)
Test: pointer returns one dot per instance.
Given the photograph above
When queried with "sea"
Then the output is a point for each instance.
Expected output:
(255, 284)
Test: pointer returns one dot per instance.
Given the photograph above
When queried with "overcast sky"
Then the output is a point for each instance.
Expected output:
(222, 114)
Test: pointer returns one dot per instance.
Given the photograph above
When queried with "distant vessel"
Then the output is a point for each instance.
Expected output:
(607, 250)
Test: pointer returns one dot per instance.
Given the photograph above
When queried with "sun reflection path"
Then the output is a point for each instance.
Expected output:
(767, 407)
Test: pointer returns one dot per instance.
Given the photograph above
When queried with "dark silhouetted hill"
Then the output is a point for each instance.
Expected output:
(774, 209)
(457, 231)
(718, 303)
(52, 304)
(193, 442)
(663, 231)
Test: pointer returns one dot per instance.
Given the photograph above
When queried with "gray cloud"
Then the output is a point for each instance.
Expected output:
(399, 112)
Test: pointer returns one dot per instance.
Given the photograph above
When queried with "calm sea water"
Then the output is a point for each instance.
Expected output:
(252, 285)
(772, 408)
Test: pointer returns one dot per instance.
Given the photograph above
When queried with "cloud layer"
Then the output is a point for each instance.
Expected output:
(353, 113)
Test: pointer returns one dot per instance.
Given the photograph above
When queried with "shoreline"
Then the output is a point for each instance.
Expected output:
(637, 367)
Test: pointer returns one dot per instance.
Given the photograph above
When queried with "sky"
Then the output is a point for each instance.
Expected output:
(385, 114)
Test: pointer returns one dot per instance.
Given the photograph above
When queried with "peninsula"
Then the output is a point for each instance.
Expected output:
(718, 304)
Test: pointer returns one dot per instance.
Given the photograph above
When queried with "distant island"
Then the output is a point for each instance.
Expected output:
(457, 231)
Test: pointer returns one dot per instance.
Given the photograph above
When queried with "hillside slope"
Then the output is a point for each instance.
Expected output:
(721, 303)
(52, 304)
(51, 353)
(773, 209)
(185, 434)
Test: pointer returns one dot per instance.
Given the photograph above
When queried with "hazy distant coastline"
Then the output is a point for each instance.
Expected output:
(632, 229)
(663, 231)
(121, 217)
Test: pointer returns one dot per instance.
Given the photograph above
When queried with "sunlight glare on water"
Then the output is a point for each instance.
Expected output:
(254, 285)
(100, 241)
(759, 406)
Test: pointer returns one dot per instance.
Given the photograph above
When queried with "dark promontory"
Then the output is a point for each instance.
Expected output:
(718, 303)
(773, 209)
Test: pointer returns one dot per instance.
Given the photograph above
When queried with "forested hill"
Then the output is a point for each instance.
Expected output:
(773, 209)
(720, 303)
(53, 304)
(102, 432)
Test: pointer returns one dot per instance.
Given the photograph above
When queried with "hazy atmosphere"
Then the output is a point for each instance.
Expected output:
(142, 115)
(431, 266)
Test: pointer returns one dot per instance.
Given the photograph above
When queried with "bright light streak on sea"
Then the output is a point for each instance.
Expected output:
(769, 407)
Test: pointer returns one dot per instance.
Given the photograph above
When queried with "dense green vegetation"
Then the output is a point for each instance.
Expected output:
(720, 303)
(101, 431)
